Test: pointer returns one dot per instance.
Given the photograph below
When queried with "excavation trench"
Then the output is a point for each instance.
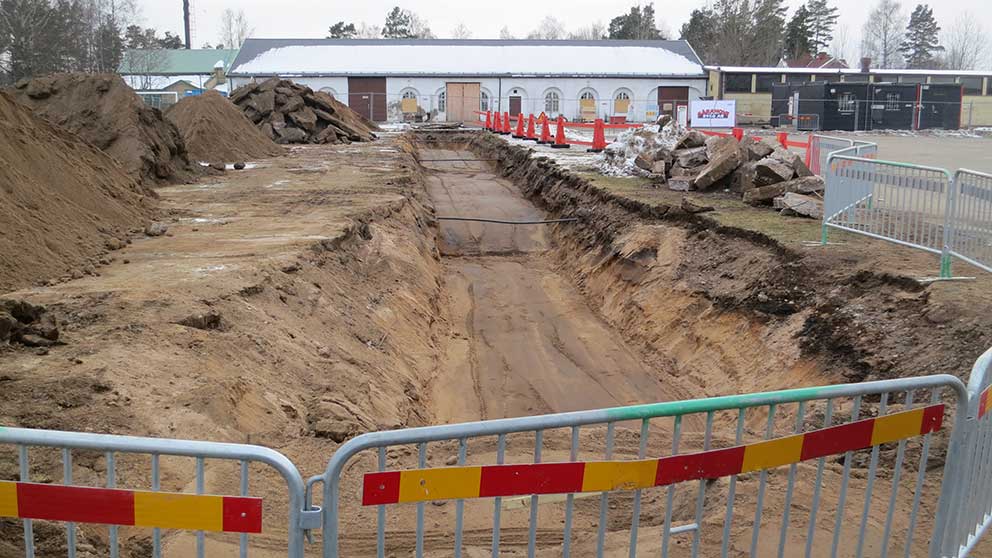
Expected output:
(622, 307)
(523, 339)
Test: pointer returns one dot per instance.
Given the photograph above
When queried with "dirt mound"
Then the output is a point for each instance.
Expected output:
(104, 111)
(216, 131)
(62, 202)
(291, 113)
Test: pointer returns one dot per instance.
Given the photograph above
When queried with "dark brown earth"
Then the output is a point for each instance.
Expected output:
(108, 114)
(216, 131)
(64, 205)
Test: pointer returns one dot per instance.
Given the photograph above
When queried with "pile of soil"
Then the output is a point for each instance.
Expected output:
(216, 131)
(63, 203)
(107, 113)
(288, 112)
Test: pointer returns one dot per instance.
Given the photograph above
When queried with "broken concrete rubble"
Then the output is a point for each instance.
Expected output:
(724, 157)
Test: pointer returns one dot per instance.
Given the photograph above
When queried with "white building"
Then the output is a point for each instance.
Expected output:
(450, 79)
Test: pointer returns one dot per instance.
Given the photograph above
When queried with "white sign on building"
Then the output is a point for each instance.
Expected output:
(713, 114)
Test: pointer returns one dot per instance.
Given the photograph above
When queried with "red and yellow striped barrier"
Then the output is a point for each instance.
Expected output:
(419, 485)
(111, 506)
(983, 402)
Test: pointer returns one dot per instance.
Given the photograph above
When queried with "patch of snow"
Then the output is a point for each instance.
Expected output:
(618, 157)
(470, 59)
(395, 127)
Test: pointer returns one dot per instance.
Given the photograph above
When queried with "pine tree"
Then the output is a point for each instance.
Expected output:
(822, 20)
(701, 33)
(397, 25)
(340, 30)
(921, 39)
(637, 24)
(797, 35)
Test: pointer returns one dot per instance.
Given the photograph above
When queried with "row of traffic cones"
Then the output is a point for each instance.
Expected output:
(501, 125)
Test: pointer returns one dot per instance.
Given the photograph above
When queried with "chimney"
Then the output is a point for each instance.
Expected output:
(219, 72)
(865, 65)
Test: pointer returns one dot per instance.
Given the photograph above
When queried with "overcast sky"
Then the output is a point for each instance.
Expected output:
(311, 18)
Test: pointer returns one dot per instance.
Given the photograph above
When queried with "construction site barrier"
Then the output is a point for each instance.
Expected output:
(154, 508)
(921, 207)
(706, 439)
(909, 411)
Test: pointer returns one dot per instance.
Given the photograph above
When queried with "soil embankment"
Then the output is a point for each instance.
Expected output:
(216, 131)
(109, 115)
(64, 205)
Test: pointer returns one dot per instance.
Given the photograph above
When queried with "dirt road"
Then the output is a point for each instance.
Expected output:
(524, 340)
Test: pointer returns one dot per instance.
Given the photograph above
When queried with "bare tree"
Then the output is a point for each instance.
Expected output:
(461, 32)
(234, 28)
(550, 29)
(419, 27)
(840, 48)
(505, 34)
(966, 43)
(366, 31)
(882, 34)
(593, 32)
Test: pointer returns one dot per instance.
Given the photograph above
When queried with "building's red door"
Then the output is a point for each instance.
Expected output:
(515, 104)
(670, 98)
(367, 97)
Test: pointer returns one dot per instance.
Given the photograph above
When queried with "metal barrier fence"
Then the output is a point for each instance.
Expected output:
(718, 438)
(916, 206)
(970, 237)
(111, 505)
(972, 491)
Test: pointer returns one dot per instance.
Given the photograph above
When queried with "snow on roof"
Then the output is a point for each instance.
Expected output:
(466, 58)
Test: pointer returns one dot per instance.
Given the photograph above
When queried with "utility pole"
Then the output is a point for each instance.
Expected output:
(186, 23)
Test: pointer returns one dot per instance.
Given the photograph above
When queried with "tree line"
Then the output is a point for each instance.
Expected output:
(39, 37)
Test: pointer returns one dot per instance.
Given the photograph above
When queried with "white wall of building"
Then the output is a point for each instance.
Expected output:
(643, 92)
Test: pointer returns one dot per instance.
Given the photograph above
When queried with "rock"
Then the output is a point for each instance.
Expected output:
(322, 115)
(7, 326)
(691, 157)
(293, 104)
(691, 139)
(321, 100)
(691, 207)
(764, 195)
(304, 118)
(269, 85)
(31, 340)
(242, 93)
(264, 103)
(218, 166)
(806, 206)
(745, 177)
(156, 229)
(291, 135)
(679, 184)
(792, 160)
(724, 157)
(285, 91)
(113, 243)
(209, 321)
(772, 171)
(253, 115)
(759, 150)
(22, 310)
(240, 165)
(335, 429)
(664, 120)
(659, 167)
(47, 327)
(268, 131)
(451, 460)
(277, 120)
(643, 162)
(663, 154)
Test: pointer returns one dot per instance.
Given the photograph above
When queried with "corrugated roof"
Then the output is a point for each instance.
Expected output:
(837, 71)
(176, 61)
(414, 57)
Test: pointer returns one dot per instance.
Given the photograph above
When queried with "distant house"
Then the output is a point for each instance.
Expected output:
(163, 76)
(820, 61)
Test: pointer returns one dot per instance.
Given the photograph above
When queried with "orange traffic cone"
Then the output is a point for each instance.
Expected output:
(545, 132)
(530, 128)
(489, 120)
(598, 137)
(519, 134)
(560, 135)
(506, 123)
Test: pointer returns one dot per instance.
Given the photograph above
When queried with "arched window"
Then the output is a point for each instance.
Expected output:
(587, 105)
(442, 98)
(483, 101)
(621, 102)
(408, 101)
(552, 102)
(330, 91)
